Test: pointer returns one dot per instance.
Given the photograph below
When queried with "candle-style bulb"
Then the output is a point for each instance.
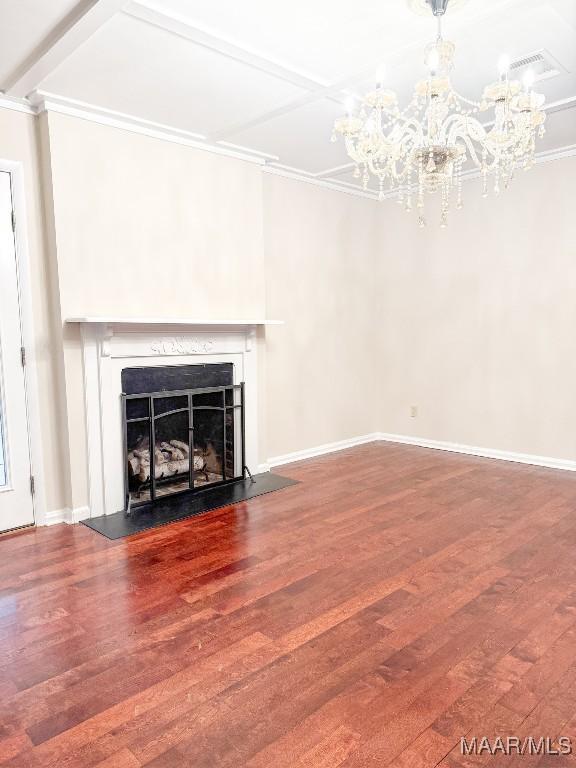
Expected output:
(433, 61)
(528, 79)
(503, 65)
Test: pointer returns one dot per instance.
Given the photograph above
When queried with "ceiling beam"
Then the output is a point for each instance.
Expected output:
(62, 41)
(177, 25)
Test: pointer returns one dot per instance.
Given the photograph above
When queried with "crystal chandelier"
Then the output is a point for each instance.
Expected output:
(424, 147)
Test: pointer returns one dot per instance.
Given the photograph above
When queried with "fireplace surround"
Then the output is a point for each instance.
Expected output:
(111, 346)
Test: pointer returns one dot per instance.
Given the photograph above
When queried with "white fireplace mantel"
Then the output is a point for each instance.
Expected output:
(112, 320)
(113, 343)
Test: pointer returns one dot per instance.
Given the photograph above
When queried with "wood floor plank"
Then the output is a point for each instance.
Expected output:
(335, 623)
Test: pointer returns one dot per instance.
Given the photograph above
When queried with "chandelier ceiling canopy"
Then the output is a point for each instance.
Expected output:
(424, 147)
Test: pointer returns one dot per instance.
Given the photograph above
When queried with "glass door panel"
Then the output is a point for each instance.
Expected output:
(16, 508)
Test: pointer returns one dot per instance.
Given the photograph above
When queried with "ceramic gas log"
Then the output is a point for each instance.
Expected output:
(171, 459)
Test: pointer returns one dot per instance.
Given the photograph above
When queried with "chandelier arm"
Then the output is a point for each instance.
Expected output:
(451, 125)
(352, 150)
(505, 136)
(470, 146)
(466, 127)
(412, 128)
(478, 136)
(491, 159)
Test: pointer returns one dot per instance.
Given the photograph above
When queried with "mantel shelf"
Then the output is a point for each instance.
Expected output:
(169, 321)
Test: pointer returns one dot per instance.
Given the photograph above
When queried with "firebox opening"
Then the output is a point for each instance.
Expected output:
(196, 432)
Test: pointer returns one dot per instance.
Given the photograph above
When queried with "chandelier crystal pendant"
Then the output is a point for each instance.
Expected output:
(425, 147)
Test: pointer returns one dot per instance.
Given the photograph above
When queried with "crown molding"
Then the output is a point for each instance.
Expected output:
(41, 101)
(338, 186)
(16, 105)
(45, 101)
(560, 105)
(545, 156)
(48, 102)
(246, 150)
(555, 154)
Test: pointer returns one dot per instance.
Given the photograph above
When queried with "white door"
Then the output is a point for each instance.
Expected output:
(16, 507)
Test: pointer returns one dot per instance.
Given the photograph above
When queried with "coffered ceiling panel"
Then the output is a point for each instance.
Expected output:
(299, 137)
(327, 39)
(137, 68)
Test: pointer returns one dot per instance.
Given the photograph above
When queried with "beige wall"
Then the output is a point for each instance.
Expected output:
(478, 319)
(19, 142)
(320, 365)
(151, 228)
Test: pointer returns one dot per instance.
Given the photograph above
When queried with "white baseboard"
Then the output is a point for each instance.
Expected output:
(71, 516)
(66, 515)
(55, 516)
(487, 453)
(440, 445)
(80, 513)
(320, 450)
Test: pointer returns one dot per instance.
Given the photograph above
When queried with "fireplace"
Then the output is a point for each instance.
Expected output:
(183, 428)
(121, 357)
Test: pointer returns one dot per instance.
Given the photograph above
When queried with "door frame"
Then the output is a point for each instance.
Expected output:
(24, 286)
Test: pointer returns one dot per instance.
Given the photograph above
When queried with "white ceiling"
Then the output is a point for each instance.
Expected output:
(25, 24)
(267, 78)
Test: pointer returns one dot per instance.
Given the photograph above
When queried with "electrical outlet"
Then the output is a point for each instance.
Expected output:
(413, 411)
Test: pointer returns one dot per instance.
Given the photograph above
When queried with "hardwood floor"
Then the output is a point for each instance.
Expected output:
(396, 600)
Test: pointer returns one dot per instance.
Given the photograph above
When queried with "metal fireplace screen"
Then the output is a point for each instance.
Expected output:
(182, 440)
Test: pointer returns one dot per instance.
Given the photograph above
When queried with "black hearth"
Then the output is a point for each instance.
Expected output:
(183, 430)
